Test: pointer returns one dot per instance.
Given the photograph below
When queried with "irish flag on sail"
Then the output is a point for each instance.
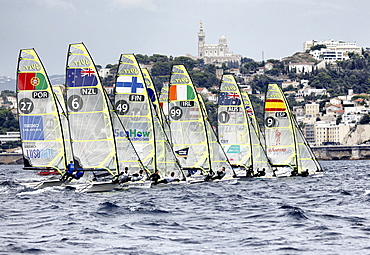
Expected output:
(181, 92)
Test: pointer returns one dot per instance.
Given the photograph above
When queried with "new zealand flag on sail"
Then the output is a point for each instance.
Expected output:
(226, 98)
(80, 77)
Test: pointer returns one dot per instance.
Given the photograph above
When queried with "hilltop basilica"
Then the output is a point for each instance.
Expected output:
(215, 53)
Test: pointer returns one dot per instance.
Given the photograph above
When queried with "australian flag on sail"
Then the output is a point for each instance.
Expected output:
(129, 84)
(226, 98)
(80, 77)
(183, 153)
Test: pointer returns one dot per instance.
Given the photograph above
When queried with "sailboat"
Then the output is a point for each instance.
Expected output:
(237, 132)
(135, 103)
(192, 134)
(40, 120)
(286, 147)
(90, 123)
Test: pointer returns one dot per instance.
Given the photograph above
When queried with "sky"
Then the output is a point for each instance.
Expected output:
(253, 28)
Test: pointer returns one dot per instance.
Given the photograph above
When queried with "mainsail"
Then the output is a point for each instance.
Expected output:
(156, 102)
(91, 127)
(194, 140)
(237, 132)
(163, 99)
(135, 104)
(59, 92)
(39, 117)
(285, 143)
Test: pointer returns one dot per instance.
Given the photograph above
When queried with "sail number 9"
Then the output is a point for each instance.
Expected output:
(122, 107)
(270, 122)
(26, 105)
(75, 103)
(176, 113)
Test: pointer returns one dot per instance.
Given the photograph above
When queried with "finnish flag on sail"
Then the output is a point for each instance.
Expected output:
(130, 85)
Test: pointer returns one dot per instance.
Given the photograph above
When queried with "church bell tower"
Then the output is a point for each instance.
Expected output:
(201, 41)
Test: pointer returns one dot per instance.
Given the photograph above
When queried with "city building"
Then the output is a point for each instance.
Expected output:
(334, 51)
(330, 133)
(301, 67)
(10, 136)
(215, 53)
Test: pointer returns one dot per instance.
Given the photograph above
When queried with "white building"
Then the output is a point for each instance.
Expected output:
(104, 72)
(330, 132)
(215, 53)
(307, 90)
(10, 136)
(12, 100)
(301, 67)
(286, 84)
(334, 51)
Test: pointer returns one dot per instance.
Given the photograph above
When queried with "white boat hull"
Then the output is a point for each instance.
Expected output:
(94, 187)
(135, 185)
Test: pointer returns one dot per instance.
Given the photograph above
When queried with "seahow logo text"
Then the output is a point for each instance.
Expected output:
(134, 134)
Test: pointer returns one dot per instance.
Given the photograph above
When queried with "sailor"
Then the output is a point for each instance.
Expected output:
(125, 175)
(171, 178)
(155, 177)
(250, 171)
(78, 175)
(137, 177)
(69, 173)
(261, 172)
(220, 174)
(191, 172)
(305, 173)
(294, 172)
(274, 172)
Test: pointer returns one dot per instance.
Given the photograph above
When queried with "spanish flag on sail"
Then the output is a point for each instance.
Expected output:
(275, 105)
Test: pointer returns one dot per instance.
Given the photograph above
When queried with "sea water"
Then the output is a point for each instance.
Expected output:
(311, 215)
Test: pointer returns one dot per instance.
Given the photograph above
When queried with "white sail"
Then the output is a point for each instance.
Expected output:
(135, 104)
(194, 139)
(39, 117)
(285, 143)
(91, 127)
(237, 133)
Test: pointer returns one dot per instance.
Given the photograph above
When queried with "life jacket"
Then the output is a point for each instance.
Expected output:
(71, 168)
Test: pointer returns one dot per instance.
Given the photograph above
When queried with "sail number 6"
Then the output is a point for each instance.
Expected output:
(75, 103)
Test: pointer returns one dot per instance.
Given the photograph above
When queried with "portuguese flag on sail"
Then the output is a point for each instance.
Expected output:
(181, 92)
(32, 81)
